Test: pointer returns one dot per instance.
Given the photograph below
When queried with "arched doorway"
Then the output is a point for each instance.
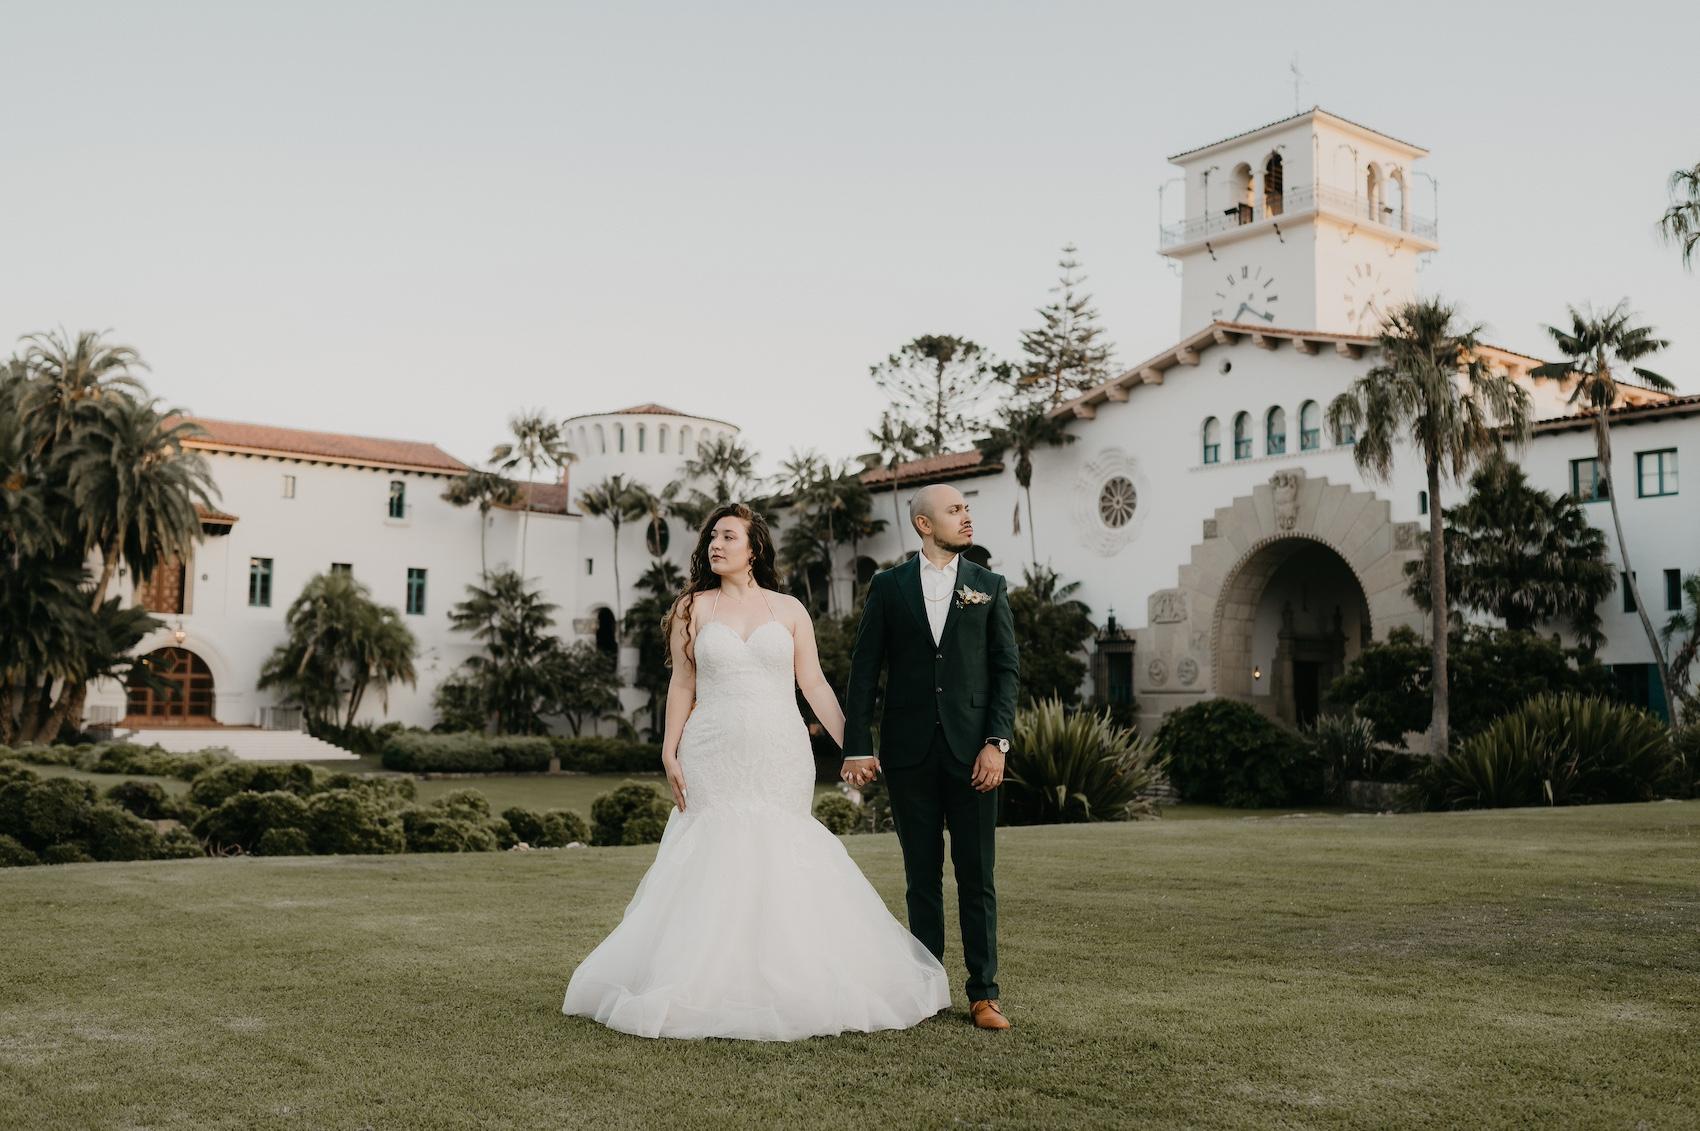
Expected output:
(607, 633)
(171, 686)
(1293, 615)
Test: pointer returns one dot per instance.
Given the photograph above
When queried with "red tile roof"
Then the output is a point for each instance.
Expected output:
(324, 447)
(207, 514)
(948, 465)
(546, 498)
(1632, 413)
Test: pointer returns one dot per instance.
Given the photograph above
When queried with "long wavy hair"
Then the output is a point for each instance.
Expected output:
(702, 577)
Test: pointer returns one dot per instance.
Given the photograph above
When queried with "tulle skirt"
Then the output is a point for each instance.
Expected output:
(756, 925)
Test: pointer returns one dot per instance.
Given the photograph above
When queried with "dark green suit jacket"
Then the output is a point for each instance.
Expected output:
(967, 681)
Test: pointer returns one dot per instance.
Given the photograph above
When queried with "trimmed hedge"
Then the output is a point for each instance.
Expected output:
(467, 753)
(122, 758)
(838, 813)
(472, 753)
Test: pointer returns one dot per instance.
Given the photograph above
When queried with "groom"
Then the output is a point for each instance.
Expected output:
(941, 627)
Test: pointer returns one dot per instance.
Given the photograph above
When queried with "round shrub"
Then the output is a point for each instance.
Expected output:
(432, 830)
(55, 810)
(562, 827)
(178, 843)
(837, 812)
(349, 822)
(181, 807)
(283, 842)
(129, 758)
(503, 832)
(12, 770)
(612, 811)
(67, 853)
(526, 824)
(1224, 752)
(244, 818)
(213, 786)
(14, 855)
(392, 790)
(465, 805)
(143, 798)
(12, 797)
(116, 834)
(645, 829)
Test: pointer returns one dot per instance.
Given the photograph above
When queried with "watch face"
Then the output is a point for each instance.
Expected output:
(1246, 293)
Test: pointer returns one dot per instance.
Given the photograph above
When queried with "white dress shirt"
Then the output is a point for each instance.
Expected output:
(937, 585)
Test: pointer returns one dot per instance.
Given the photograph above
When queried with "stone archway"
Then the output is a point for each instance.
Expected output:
(1198, 639)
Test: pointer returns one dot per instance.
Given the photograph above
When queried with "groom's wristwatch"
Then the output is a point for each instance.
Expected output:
(1001, 743)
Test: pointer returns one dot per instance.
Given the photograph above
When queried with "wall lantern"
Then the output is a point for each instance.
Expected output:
(1256, 672)
(178, 634)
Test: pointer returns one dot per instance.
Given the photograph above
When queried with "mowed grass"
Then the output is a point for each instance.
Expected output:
(1522, 968)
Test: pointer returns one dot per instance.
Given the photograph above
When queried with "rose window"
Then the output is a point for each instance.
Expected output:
(1116, 502)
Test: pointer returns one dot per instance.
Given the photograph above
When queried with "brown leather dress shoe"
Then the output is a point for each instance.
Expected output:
(987, 1015)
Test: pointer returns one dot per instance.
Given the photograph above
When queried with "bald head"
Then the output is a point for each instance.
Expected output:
(940, 513)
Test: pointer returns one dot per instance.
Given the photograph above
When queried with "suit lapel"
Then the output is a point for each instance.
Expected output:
(910, 582)
(964, 576)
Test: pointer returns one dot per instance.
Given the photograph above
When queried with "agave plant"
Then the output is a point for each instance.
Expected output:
(1077, 766)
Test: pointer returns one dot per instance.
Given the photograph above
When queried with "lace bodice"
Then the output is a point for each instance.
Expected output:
(745, 744)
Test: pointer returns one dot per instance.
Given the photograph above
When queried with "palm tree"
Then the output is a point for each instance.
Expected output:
(485, 489)
(654, 507)
(1591, 346)
(1688, 624)
(896, 441)
(614, 500)
(1681, 222)
(1025, 429)
(514, 675)
(725, 463)
(538, 443)
(135, 488)
(69, 375)
(1433, 388)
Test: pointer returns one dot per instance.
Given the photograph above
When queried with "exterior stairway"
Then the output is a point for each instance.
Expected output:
(250, 744)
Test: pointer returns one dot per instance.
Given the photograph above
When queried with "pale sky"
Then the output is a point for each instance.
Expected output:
(414, 219)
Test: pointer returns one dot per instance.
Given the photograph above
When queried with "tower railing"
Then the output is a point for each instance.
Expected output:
(1298, 200)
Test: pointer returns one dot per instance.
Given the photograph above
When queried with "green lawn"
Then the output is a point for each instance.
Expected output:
(1523, 968)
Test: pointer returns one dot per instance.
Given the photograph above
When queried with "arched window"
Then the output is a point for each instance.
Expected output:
(1372, 191)
(685, 441)
(1422, 502)
(661, 438)
(641, 429)
(1240, 191)
(619, 437)
(1395, 207)
(1345, 434)
(1310, 426)
(601, 441)
(1275, 432)
(583, 441)
(657, 536)
(1242, 436)
(1212, 441)
(1272, 190)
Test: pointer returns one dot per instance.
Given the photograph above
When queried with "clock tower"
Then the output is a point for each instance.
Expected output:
(1310, 223)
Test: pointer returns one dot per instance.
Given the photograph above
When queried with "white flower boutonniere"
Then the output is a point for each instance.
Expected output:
(966, 596)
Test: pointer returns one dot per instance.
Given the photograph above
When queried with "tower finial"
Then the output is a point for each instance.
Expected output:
(1298, 78)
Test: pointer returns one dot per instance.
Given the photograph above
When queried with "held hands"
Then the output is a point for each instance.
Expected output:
(675, 779)
(988, 769)
(859, 771)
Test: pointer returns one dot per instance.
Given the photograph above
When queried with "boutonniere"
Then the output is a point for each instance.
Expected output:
(966, 596)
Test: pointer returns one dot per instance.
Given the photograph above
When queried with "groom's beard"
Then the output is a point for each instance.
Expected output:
(955, 547)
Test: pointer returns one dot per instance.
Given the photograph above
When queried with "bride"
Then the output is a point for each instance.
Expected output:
(753, 921)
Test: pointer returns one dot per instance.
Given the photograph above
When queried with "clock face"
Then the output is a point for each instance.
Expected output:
(1246, 294)
(1367, 295)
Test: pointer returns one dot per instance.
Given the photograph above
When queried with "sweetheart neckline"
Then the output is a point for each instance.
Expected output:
(743, 639)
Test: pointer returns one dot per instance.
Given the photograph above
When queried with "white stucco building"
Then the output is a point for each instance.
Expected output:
(1203, 498)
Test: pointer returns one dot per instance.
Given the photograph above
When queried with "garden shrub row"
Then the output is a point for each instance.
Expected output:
(121, 758)
(288, 809)
(471, 753)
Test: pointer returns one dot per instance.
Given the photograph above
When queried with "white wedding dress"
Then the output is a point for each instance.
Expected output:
(753, 921)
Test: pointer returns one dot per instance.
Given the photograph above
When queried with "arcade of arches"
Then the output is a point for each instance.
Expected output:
(1285, 588)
